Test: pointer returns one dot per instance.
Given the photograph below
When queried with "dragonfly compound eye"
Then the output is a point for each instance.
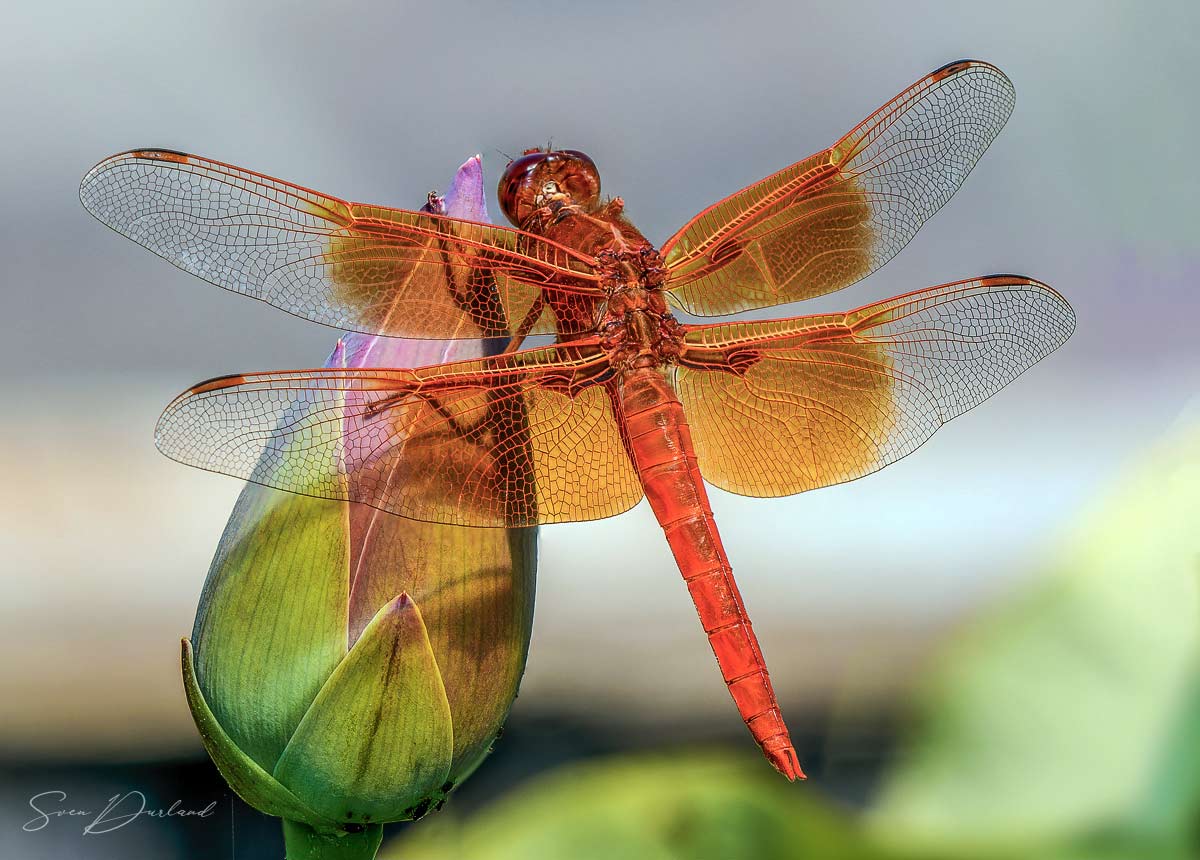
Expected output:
(538, 175)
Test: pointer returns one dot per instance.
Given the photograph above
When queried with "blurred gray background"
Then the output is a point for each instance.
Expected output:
(1092, 187)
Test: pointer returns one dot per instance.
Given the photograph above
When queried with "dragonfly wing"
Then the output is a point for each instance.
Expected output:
(784, 406)
(348, 265)
(832, 219)
(512, 440)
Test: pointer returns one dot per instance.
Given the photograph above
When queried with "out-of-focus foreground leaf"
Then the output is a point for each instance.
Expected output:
(1067, 725)
(704, 806)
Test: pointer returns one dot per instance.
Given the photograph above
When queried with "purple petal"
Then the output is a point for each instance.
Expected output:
(337, 358)
(466, 198)
(365, 350)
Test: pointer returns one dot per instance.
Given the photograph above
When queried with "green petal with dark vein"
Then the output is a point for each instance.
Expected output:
(377, 743)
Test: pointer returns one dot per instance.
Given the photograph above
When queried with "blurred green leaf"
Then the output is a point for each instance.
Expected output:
(705, 806)
(1063, 726)
(1057, 727)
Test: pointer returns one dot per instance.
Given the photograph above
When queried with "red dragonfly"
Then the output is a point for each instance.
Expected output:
(628, 401)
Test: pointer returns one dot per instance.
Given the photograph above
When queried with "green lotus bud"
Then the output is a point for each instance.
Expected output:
(349, 667)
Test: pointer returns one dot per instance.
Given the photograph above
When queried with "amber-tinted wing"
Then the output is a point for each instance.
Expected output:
(512, 440)
(784, 406)
(348, 265)
(827, 221)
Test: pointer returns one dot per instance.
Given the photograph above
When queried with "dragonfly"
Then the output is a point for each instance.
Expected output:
(627, 401)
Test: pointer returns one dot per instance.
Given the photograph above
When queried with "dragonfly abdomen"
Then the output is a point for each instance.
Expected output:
(662, 449)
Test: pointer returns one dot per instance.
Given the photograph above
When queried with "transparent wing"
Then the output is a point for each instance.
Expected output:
(347, 265)
(832, 219)
(512, 440)
(779, 407)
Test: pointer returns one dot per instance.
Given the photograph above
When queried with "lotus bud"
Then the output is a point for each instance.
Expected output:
(349, 667)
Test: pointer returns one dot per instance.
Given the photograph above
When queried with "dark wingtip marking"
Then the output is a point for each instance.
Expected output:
(1026, 281)
(161, 155)
(954, 68)
(1007, 280)
(216, 383)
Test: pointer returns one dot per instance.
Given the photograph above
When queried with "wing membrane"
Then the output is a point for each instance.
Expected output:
(832, 219)
(347, 265)
(512, 440)
(784, 406)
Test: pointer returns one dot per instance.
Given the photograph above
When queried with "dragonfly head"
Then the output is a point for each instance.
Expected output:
(543, 177)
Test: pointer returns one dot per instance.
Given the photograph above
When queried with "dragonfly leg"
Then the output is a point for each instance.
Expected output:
(527, 324)
(385, 403)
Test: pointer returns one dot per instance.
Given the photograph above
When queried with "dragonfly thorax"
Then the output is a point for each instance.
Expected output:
(556, 194)
(639, 329)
